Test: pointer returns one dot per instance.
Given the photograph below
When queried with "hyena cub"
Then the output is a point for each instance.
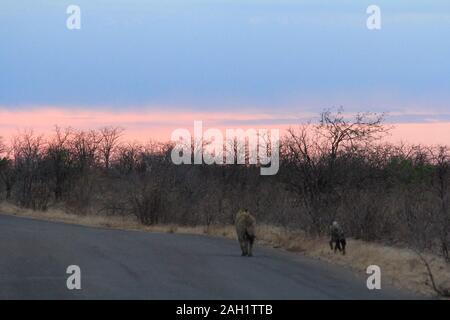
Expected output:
(245, 229)
(337, 238)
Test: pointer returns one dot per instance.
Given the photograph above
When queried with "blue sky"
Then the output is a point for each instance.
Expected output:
(272, 56)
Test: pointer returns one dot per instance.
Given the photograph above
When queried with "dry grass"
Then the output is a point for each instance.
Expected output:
(400, 267)
(113, 222)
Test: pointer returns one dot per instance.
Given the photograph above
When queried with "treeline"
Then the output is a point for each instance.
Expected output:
(336, 169)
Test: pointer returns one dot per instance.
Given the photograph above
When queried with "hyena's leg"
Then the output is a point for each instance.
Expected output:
(250, 246)
(337, 246)
(343, 243)
(243, 245)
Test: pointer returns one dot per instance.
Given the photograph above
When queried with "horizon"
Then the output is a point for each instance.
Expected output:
(139, 128)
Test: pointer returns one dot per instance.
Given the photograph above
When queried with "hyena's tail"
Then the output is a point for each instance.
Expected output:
(250, 232)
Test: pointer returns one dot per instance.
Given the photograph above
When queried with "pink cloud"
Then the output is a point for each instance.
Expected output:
(142, 126)
(422, 133)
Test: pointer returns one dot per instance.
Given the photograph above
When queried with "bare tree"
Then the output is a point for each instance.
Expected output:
(7, 174)
(341, 131)
(128, 157)
(2, 146)
(311, 153)
(27, 149)
(441, 183)
(60, 157)
(109, 141)
(439, 289)
(85, 146)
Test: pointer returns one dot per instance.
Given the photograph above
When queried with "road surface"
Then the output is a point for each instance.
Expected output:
(118, 264)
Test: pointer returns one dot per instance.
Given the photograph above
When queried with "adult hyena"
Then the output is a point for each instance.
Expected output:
(245, 229)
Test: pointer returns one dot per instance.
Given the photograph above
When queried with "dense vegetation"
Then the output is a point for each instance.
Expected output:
(336, 169)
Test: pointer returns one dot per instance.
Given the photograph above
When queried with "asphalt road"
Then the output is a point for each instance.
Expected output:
(118, 264)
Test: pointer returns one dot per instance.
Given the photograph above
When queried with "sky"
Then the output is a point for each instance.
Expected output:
(151, 66)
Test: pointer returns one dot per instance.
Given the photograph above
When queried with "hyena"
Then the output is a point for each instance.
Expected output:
(245, 229)
(337, 238)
